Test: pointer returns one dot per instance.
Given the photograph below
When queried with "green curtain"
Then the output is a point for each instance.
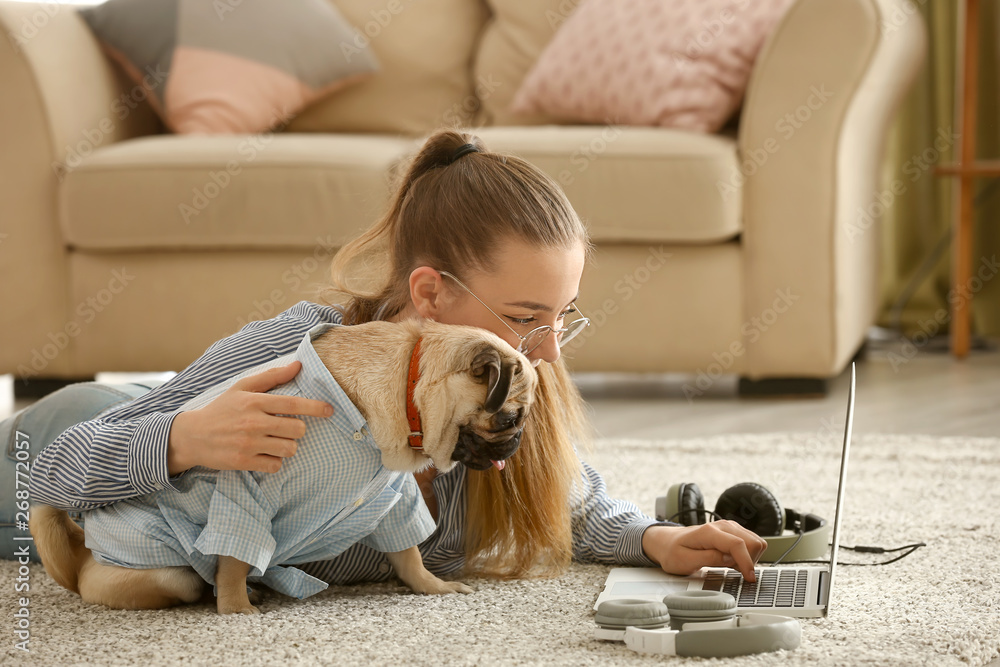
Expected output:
(921, 216)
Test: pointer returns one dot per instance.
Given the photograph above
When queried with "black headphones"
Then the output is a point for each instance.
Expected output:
(757, 509)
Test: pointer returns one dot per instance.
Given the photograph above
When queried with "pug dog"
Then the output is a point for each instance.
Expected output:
(430, 394)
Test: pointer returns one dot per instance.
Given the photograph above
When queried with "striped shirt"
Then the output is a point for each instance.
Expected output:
(123, 454)
(332, 494)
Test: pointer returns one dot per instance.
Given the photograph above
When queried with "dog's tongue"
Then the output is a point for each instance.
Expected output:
(498, 465)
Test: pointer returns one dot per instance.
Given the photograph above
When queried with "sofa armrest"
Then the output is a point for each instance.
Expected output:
(60, 99)
(812, 135)
(53, 68)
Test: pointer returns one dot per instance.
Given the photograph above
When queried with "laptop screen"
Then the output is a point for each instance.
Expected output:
(839, 513)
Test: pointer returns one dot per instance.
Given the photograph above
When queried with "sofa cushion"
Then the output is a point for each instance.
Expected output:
(425, 51)
(258, 191)
(286, 190)
(512, 42)
(682, 64)
(222, 68)
(633, 183)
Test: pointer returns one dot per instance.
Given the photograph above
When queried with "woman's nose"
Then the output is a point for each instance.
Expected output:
(548, 351)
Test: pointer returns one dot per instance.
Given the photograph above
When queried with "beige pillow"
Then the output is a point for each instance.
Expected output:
(513, 41)
(682, 64)
(424, 50)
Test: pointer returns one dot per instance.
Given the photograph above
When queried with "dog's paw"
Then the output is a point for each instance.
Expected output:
(255, 594)
(237, 608)
(459, 587)
(440, 587)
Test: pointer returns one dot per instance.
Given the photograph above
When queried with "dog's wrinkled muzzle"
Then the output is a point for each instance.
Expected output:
(478, 453)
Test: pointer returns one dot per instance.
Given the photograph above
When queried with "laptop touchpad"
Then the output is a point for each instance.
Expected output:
(658, 588)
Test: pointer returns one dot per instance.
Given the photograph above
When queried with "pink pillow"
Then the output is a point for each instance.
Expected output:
(667, 63)
(230, 67)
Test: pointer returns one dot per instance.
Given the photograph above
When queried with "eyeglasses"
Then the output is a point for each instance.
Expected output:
(536, 336)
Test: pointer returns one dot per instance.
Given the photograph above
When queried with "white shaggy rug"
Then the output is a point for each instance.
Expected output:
(939, 606)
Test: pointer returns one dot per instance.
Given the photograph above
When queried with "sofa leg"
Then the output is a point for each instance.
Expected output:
(784, 388)
(40, 387)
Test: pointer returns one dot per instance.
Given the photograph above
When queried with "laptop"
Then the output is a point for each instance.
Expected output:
(786, 591)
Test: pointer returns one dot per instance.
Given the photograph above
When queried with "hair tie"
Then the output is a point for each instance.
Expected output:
(464, 149)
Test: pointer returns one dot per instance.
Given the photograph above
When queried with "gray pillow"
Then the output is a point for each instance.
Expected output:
(230, 66)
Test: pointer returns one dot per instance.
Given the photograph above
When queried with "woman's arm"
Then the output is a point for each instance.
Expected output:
(135, 449)
(606, 530)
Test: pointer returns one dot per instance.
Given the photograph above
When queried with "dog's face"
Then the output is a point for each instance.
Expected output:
(474, 394)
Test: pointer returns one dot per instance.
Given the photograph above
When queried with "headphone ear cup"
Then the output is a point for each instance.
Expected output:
(690, 505)
(620, 614)
(699, 607)
(753, 507)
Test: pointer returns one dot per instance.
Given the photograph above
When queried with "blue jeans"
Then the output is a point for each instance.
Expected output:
(30, 430)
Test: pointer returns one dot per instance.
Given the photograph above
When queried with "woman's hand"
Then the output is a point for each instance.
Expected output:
(686, 549)
(239, 430)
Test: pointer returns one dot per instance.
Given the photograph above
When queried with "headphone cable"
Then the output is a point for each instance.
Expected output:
(798, 539)
(697, 510)
(719, 517)
(910, 548)
(860, 549)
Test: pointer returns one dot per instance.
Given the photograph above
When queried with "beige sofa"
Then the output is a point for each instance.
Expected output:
(126, 249)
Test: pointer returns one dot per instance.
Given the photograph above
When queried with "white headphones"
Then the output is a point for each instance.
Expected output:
(701, 624)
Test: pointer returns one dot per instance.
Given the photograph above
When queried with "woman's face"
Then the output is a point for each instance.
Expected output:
(531, 287)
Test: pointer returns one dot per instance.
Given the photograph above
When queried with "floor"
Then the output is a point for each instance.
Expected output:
(930, 393)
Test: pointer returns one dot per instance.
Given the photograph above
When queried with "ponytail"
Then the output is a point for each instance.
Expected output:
(375, 250)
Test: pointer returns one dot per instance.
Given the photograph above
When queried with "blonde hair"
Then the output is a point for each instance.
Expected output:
(448, 213)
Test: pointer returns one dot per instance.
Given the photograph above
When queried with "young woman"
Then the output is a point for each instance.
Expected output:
(471, 237)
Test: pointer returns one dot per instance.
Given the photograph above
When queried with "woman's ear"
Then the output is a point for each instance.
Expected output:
(427, 292)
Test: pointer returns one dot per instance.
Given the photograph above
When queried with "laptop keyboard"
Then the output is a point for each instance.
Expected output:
(775, 587)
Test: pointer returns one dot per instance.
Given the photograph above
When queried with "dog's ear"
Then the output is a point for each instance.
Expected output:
(487, 367)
